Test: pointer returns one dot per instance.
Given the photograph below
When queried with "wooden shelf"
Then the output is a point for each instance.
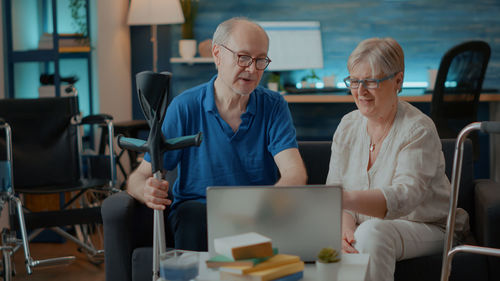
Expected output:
(193, 60)
(348, 98)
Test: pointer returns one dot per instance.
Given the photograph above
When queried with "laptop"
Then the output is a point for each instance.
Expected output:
(300, 220)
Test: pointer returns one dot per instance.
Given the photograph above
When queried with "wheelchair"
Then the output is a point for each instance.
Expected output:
(42, 151)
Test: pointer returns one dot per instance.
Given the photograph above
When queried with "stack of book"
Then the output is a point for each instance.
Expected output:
(68, 42)
(251, 257)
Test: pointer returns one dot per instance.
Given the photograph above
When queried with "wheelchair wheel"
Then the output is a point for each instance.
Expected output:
(6, 270)
(92, 234)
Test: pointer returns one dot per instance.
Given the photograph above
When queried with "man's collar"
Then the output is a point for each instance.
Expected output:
(209, 100)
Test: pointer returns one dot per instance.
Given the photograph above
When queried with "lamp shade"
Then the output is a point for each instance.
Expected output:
(155, 12)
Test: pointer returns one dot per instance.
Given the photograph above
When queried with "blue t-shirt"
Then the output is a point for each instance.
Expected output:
(225, 158)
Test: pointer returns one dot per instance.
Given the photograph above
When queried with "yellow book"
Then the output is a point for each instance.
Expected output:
(266, 274)
(274, 261)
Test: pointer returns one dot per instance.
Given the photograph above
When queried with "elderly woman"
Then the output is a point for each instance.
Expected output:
(387, 156)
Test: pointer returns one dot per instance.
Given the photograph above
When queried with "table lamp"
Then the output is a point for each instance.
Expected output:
(155, 12)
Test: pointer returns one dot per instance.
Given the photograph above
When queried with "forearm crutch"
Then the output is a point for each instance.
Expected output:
(153, 91)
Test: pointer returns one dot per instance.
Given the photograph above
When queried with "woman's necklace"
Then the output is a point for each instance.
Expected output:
(372, 144)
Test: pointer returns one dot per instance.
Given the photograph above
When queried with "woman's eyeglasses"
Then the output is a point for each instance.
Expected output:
(367, 83)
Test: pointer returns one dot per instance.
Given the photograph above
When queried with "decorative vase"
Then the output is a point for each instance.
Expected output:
(205, 48)
(187, 48)
(432, 74)
(327, 271)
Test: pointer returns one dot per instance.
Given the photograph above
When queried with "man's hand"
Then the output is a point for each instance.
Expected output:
(348, 241)
(155, 194)
(144, 187)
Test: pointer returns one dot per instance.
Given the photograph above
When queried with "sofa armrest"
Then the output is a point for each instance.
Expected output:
(487, 207)
(128, 224)
(487, 229)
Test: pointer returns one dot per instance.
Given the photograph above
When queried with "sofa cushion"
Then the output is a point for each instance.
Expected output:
(316, 157)
(465, 267)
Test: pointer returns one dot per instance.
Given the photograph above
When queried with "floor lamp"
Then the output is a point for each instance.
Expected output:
(155, 12)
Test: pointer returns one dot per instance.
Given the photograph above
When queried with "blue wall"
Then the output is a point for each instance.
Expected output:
(426, 29)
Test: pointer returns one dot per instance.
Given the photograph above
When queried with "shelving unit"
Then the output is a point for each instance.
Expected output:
(192, 60)
(44, 56)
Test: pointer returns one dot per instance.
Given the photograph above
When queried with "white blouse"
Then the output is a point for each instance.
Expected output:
(409, 169)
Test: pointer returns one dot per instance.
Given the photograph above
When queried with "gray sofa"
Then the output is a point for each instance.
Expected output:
(128, 225)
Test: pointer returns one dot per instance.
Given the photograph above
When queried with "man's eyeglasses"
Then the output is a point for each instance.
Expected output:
(367, 83)
(246, 61)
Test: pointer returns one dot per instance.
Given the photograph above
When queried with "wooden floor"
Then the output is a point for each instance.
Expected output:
(81, 269)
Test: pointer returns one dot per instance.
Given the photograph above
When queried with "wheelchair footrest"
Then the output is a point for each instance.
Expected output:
(98, 255)
(53, 261)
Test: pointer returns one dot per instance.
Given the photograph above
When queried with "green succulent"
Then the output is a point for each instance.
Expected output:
(328, 255)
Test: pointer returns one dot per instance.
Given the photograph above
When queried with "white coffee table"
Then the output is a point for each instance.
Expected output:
(352, 268)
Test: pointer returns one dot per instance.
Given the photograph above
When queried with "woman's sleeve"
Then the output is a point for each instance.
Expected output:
(335, 171)
(417, 164)
(334, 175)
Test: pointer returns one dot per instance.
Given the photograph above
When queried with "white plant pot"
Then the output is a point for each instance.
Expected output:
(327, 271)
(187, 48)
(273, 86)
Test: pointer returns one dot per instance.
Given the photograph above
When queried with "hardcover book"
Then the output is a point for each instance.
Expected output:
(274, 261)
(266, 274)
(244, 246)
(221, 260)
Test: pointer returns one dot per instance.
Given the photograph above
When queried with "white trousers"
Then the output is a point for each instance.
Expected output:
(388, 241)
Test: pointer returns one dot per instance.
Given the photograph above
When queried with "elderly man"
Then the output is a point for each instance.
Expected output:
(248, 135)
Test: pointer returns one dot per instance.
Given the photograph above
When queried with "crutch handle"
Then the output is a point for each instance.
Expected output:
(132, 144)
(183, 142)
(490, 127)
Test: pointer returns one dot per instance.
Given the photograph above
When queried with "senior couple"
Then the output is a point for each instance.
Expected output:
(386, 155)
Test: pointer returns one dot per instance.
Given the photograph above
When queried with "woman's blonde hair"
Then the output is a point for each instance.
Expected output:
(384, 55)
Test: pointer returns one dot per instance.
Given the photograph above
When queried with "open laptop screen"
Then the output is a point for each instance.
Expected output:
(300, 220)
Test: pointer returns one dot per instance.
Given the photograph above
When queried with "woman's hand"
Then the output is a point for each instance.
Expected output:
(348, 228)
(348, 241)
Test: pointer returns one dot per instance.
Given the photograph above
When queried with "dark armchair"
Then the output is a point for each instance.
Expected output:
(128, 225)
(459, 81)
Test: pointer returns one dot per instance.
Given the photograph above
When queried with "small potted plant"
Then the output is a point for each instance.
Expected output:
(310, 80)
(187, 45)
(327, 265)
(273, 81)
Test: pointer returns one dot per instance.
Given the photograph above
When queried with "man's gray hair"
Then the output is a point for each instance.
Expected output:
(223, 31)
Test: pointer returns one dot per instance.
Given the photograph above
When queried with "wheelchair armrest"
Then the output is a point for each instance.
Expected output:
(96, 119)
(487, 207)
(128, 224)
